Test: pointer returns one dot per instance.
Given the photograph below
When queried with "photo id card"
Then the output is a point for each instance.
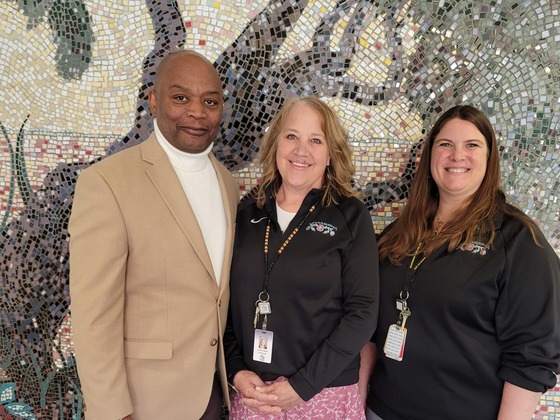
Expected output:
(394, 343)
(262, 347)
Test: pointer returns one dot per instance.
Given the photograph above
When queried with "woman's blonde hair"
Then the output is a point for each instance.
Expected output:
(338, 175)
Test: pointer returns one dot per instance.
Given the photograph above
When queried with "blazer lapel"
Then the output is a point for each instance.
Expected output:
(169, 187)
(230, 209)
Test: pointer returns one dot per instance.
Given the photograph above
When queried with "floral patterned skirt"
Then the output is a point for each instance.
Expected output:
(337, 403)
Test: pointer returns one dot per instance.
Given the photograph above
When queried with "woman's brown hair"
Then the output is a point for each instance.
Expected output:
(476, 220)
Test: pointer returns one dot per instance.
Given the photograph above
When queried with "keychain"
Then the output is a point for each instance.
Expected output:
(396, 336)
(262, 306)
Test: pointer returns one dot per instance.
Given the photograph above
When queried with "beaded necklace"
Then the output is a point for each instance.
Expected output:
(267, 268)
(262, 305)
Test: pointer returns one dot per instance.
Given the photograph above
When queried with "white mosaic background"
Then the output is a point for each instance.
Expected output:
(401, 63)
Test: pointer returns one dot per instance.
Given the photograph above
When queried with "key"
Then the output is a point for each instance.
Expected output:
(405, 313)
(265, 320)
(257, 313)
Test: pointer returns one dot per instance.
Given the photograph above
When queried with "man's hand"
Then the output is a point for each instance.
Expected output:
(261, 402)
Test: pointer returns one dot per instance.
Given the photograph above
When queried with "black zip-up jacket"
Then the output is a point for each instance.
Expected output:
(323, 293)
(479, 317)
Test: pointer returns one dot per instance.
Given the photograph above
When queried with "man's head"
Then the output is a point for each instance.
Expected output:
(187, 100)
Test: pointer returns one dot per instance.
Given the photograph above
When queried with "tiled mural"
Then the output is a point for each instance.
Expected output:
(74, 78)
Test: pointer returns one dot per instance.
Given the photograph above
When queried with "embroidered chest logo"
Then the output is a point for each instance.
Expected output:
(322, 227)
(475, 248)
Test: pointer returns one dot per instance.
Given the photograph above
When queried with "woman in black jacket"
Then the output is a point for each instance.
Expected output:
(304, 275)
(469, 284)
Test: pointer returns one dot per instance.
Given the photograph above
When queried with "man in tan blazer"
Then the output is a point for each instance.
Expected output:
(151, 242)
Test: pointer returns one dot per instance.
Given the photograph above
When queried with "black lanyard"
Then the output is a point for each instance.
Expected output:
(267, 268)
(262, 305)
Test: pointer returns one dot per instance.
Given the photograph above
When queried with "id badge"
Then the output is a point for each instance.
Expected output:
(394, 343)
(262, 346)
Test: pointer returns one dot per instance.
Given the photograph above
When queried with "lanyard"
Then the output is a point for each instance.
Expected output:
(415, 267)
(411, 273)
(267, 268)
(396, 334)
(262, 305)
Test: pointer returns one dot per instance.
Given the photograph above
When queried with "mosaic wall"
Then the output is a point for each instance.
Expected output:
(74, 77)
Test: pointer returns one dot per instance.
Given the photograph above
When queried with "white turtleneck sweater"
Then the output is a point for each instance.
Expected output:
(200, 183)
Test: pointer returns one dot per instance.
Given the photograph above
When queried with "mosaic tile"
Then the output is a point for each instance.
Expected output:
(75, 77)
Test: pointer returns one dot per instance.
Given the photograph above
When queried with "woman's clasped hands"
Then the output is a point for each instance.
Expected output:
(263, 398)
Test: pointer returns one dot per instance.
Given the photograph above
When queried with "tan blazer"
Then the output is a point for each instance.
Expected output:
(147, 313)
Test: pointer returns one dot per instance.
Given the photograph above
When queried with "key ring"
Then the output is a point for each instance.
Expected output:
(261, 299)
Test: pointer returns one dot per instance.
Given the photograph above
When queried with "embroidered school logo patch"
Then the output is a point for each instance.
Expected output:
(322, 227)
(475, 248)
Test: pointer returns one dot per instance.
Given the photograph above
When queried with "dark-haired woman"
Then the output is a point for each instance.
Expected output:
(469, 323)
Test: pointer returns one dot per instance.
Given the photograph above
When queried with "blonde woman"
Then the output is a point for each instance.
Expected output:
(304, 275)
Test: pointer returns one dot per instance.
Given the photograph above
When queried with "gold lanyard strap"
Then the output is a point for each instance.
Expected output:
(415, 267)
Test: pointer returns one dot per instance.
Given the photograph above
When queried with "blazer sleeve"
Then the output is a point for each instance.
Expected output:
(233, 354)
(98, 256)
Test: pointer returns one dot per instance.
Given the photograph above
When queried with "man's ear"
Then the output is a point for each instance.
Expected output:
(152, 99)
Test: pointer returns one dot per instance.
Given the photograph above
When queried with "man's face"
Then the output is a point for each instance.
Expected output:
(188, 102)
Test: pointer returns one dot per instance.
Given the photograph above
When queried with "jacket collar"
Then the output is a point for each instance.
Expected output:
(313, 197)
(165, 180)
